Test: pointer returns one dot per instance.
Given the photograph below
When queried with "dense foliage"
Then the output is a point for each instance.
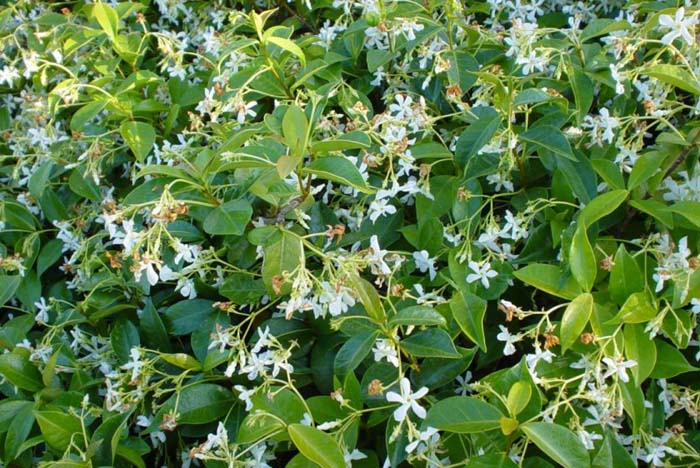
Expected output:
(349, 233)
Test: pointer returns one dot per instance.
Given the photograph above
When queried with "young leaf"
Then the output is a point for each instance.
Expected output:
(575, 319)
(295, 127)
(58, 428)
(140, 137)
(108, 19)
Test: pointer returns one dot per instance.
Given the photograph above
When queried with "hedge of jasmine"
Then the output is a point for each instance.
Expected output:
(349, 233)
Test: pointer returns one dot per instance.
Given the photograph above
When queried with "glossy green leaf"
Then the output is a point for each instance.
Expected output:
(338, 169)
(640, 348)
(674, 75)
(550, 138)
(284, 255)
(353, 351)
(575, 320)
(463, 415)
(469, 311)
(417, 315)
(184, 317)
(58, 428)
(17, 370)
(626, 277)
(108, 19)
(558, 442)
(317, 446)
(670, 362)
(230, 218)
(549, 279)
(140, 137)
(582, 259)
(433, 342)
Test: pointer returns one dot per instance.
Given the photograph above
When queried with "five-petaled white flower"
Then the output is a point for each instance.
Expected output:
(407, 400)
(425, 263)
(481, 272)
(679, 27)
(618, 366)
(508, 339)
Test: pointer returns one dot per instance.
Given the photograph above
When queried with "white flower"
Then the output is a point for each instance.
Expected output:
(425, 263)
(426, 439)
(135, 365)
(375, 258)
(679, 26)
(42, 312)
(463, 385)
(407, 400)
(380, 207)
(619, 367)
(508, 339)
(337, 299)
(481, 272)
(354, 455)
(588, 437)
(8, 74)
(402, 108)
(384, 349)
(695, 303)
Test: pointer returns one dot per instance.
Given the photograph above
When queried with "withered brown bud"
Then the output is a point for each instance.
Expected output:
(587, 338)
(375, 388)
(550, 340)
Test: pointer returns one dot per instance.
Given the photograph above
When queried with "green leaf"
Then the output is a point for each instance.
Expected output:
(108, 19)
(185, 317)
(346, 141)
(284, 255)
(639, 347)
(21, 373)
(645, 167)
(181, 360)
(85, 187)
(638, 308)
(601, 27)
(18, 431)
(8, 286)
(317, 446)
(633, 403)
(549, 279)
(463, 415)
(295, 128)
(474, 137)
(518, 397)
(690, 210)
(140, 137)
(656, 209)
(230, 218)
(338, 169)
(353, 351)
(40, 178)
(609, 172)
(670, 362)
(378, 57)
(124, 336)
(198, 404)
(601, 206)
(462, 64)
(626, 277)
(582, 259)
(86, 113)
(469, 311)
(433, 342)
(289, 46)
(575, 319)
(58, 428)
(676, 76)
(562, 445)
(582, 86)
(417, 315)
(549, 138)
